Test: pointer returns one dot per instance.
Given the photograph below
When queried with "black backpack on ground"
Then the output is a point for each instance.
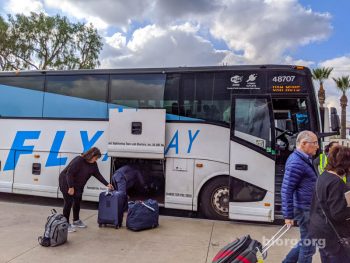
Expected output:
(56, 230)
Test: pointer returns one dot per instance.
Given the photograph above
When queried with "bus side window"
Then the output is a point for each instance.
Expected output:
(29, 94)
(76, 96)
(186, 100)
(171, 96)
(222, 98)
(252, 122)
(137, 90)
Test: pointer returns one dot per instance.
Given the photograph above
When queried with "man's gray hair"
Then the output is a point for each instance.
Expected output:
(304, 136)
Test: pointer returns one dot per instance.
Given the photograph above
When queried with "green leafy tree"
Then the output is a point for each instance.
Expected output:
(43, 42)
(343, 84)
(6, 45)
(321, 74)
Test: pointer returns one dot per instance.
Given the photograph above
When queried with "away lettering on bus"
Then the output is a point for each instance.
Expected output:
(20, 147)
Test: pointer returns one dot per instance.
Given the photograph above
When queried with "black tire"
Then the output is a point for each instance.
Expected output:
(99, 225)
(214, 199)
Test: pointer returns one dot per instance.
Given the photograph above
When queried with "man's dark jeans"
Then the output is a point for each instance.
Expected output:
(305, 249)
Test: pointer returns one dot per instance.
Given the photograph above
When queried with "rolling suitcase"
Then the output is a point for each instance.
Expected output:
(111, 208)
(247, 250)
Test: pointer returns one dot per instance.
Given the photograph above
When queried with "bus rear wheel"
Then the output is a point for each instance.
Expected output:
(214, 201)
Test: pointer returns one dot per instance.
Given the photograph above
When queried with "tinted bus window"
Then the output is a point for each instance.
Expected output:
(137, 91)
(186, 100)
(171, 96)
(82, 96)
(222, 98)
(204, 96)
(252, 121)
(28, 94)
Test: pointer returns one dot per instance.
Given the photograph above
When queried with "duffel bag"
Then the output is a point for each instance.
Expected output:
(142, 215)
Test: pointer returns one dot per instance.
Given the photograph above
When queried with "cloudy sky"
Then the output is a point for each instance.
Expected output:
(158, 33)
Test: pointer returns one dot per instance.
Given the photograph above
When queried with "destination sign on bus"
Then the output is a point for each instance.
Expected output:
(285, 82)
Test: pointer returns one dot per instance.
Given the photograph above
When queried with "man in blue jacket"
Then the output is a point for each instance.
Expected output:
(297, 190)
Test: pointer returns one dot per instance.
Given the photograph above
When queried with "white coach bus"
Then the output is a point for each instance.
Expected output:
(213, 139)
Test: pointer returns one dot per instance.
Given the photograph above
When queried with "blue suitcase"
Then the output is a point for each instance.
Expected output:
(111, 208)
(142, 215)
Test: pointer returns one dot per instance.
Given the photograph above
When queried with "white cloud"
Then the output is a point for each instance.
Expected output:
(153, 46)
(76, 11)
(24, 7)
(341, 67)
(106, 12)
(300, 62)
(255, 31)
(186, 27)
(264, 30)
(116, 41)
(143, 35)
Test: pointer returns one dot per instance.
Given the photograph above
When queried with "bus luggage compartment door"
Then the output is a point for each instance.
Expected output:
(136, 133)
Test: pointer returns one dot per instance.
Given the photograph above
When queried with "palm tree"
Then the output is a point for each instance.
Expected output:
(343, 84)
(321, 74)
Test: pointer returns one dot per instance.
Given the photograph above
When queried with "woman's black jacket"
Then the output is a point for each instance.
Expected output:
(77, 173)
(330, 189)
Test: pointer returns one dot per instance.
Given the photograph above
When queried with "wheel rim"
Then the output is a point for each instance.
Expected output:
(220, 200)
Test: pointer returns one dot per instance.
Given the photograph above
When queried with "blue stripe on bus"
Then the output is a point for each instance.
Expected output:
(19, 102)
(61, 106)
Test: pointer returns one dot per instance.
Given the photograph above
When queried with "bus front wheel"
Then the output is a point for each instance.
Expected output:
(214, 201)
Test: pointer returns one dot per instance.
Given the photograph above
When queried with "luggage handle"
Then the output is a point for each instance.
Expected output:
(108, 192)
(275, 238)
(149, 207)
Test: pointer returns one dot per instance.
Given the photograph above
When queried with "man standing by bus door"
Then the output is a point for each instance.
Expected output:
(297, 189)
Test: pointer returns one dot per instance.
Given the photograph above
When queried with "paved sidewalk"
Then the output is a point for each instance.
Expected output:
(175, 240)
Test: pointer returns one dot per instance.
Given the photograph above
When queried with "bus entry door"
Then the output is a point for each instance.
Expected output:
(136, 133)
(252, 162)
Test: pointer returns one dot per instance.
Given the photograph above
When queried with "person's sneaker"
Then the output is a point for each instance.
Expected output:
(79, 224)
(71, 228)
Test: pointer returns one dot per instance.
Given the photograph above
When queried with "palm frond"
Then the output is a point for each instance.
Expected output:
(320, 74)
(343, 83)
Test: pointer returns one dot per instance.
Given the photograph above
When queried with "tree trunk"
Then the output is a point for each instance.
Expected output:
(343, 104)
(321, 95)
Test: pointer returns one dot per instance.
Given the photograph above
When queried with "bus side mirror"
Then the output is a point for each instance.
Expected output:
(335, 123)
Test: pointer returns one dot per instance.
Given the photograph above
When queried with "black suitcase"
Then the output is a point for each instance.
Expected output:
(111, 208)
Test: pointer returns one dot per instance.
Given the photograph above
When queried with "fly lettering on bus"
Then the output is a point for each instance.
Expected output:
(20, 146)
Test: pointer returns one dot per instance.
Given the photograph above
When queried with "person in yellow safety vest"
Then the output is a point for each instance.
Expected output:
(321, 161)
